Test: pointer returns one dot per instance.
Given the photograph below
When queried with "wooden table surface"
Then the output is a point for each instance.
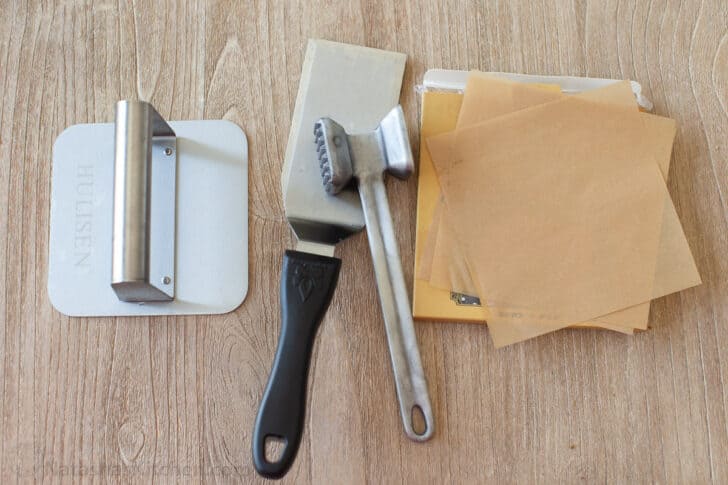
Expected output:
(174, 398)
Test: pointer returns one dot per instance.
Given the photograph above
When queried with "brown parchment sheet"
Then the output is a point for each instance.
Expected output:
(490, 97)
(593, 181)
(487, 91)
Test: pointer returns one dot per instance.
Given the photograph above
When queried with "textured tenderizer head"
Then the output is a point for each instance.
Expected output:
(332, 147)
(341, 155)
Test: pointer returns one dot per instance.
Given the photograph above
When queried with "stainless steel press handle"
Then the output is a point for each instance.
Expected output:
(143, 233)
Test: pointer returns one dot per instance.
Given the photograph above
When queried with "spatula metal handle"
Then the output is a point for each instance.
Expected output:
(408, 373)
(307, 285)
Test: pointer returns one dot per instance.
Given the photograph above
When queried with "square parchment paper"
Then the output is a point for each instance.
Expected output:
(561, 225)
(487, 97)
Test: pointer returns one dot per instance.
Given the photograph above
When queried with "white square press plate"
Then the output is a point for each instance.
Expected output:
(211, 265)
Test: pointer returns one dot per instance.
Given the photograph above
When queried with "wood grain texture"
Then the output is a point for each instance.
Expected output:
(173, 399)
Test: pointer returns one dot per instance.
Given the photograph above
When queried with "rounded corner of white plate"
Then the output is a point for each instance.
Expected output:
(238, 129)
(238, 302)
(56, 302)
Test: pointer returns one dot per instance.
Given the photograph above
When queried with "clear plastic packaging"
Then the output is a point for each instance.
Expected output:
(454, 81)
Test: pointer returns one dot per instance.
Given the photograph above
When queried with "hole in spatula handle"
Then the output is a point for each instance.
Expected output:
(274, 447)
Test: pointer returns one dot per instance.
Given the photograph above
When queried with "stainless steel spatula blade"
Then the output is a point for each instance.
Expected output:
(357, 86)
